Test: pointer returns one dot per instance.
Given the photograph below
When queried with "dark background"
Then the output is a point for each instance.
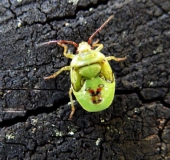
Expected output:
(34, 112)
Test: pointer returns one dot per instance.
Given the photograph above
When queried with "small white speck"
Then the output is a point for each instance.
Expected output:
(90, 9)
(151, 83)
(66, 24)
(71, 133)
(159, 49)
(73, 1)
(10, 136)
(101, 120)
(19, 22)
(58, 134)
(98, 141)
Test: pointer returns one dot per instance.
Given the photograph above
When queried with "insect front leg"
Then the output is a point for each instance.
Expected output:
(62, 44)
(68, 55)
(99, 46)
(58, 72)
(72, 105)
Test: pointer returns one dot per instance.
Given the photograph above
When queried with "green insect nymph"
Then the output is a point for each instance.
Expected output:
(92, 79)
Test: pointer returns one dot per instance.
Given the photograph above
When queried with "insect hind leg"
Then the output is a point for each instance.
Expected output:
(115, 59)
(72, 105)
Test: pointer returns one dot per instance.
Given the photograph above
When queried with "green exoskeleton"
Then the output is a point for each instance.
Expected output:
(92, 79)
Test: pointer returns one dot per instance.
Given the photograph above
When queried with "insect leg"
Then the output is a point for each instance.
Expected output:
(99, 46)
(115, 59)
(96, 42)
(62, 44)
(72, 105)
(68, 55)
(58, 72)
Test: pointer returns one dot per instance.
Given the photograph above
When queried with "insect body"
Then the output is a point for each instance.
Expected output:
(96, 94)
(92, 80)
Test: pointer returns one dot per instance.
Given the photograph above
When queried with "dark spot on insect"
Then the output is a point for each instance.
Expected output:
(94, 101)
(95, 95)
(98, 92)
(92, 93)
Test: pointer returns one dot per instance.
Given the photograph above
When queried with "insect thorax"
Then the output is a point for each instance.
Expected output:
(86, 58)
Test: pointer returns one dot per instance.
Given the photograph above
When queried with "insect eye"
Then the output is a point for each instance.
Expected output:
(101, 85)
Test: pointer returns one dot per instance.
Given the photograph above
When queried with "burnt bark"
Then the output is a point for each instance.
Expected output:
(34, 113)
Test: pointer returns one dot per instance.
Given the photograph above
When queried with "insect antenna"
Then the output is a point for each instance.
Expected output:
(98, 30)
(58, 42)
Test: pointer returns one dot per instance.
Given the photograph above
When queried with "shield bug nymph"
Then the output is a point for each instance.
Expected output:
(92, 79)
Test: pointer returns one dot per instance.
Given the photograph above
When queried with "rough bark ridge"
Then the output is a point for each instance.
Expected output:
(34, 112)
